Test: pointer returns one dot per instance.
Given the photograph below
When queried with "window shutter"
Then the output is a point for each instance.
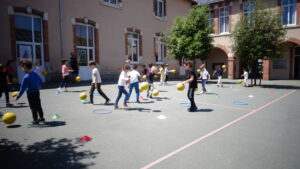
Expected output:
(154, 7)
(126, 44)
(141, 45)
(165, 7)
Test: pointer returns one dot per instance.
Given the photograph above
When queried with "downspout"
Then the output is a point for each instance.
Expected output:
(61, 27)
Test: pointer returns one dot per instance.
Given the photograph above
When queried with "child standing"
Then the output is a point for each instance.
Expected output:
(204, 75)
(162, 72)
(219, 70)
(123, 78)
(246, 76)
(150, 80)
(96, 83)
(4, 84)
(31, 83)
(134, 82)
(192, 80)
(65, 75)
(167, 71)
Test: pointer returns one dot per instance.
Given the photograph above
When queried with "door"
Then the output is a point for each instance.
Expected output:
(297, 63)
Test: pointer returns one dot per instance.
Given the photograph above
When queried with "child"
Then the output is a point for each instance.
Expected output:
(162, 72)
(204, 75)
(245, 75)
(96, 83)
(38, 69)
(31, 83)
(150, 80)
(144, 71)
(149, 68)
(4, 84)
(167, 71)
(9, 70)
(65, 75)
(219, 70)
(134, 82)
(123, 78)
(192, 80)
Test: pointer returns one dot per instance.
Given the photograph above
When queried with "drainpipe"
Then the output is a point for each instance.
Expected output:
(61, 10)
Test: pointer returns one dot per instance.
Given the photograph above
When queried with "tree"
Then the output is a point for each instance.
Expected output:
(258, 36)
(189, 36)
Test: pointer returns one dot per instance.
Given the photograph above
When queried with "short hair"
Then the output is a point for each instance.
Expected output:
(150, 65)
(189, 63)
(126, 67)
(64, 61)
(143, 65)
(92, 63)
(134, 66)
(27, 64)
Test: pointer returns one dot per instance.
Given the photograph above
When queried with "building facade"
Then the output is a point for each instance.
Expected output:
(107, 31)
(224, 14)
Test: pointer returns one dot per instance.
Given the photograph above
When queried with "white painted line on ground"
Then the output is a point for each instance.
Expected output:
(215, 131)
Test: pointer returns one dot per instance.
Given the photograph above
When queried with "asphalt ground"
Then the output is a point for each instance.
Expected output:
(262, 132)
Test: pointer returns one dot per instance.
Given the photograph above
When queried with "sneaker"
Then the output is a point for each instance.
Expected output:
(192, 109)
(125, 105)
(107, 101)
(116, 106)
(34, 122)
(88, 102)
(201, 92)
(41, 120)
(221, 85)
(138, 101)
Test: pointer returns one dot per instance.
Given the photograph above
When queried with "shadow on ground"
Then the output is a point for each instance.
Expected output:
(48, 154)
(280, 86)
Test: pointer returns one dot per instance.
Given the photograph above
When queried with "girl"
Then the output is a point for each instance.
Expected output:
(65, 75)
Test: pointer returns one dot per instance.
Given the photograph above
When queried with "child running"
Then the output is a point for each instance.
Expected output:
(192, 80)
(219, 70)
(134, 82)
(150, 80)
(245, 75)
(123, 78)
(204, 75)
(96, 83)
(31, 83)
(65, 75)
(4, 84)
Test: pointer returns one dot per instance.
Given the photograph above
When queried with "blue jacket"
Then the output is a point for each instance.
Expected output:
(31, 82)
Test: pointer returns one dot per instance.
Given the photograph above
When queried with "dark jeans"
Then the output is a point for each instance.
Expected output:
(203, 84)
(64, 82)
(5, 91)
(99, 91)
(149, 91)
(137, 90)
(35, 105)
(190, 95)
(122, 90)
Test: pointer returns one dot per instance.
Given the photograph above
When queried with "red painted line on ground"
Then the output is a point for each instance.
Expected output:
(215, 131)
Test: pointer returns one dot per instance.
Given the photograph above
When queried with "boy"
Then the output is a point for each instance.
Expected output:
(150, 80)
(134, 82)
(245, 75)
(96, 83)
(192, 80)
(219, 70)
(204, 75)
(123, 78)
(31, 83)
(4, 84)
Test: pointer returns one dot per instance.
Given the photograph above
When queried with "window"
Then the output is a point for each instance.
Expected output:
(211, 18)
(160, 50)
(279, 64)
(85, 44)
(29, 39)
(133, 47)
(159, 8)
(289, 12)
(112, 2)
(224, 19)
(248, 8)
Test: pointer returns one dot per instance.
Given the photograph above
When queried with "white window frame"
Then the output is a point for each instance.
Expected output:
(160, 47)
(162, 8)
(110, 3)
(87, 47)
(226, 15)
(130, 43)
(251, 7)
(33, 43)
(289, 13)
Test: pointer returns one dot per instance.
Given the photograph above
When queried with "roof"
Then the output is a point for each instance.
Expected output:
(203, 2)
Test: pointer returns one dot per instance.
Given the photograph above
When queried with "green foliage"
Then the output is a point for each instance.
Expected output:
(259, 35)
(189, 36)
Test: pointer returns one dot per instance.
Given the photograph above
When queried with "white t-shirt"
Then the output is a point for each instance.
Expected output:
(134, 76)
(246, 75)
(123, 78)
(204, 74)
(96, 76)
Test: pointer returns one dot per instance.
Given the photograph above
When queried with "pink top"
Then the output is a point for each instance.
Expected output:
(65, 70)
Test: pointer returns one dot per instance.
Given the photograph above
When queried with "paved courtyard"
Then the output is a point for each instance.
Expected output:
(234, 128)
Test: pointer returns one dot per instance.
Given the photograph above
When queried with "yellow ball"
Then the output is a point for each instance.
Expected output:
(155, 76)
(45, 73)
(78, 79)
(155, 92)
(9, 118)
(14, 80)
(141, 89)
(180, 86)
(145, 85)
(198, 70)
(14, 94)
(83, 96)
(196, 89)
(144, 77)
(223, 66)
(173, 71)
(240, 81)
